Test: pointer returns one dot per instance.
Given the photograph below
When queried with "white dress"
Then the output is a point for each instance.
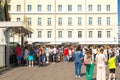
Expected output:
(101, 72)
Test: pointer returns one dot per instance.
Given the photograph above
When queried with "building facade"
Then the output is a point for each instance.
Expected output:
(58, 21)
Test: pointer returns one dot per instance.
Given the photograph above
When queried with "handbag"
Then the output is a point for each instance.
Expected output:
(87, 61)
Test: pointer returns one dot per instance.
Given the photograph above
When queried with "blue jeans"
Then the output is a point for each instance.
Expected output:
(65, 59)
(77, 68)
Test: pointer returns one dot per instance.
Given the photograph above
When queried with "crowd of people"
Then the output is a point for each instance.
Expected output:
(89, 56)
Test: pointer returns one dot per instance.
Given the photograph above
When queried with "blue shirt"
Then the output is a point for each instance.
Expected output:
(78, 55)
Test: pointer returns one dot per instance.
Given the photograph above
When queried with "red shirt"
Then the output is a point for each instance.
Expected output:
(18, 51)
(66, 52)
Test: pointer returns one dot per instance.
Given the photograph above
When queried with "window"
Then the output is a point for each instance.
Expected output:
(108, 34)
(39, 8)
(29, 21)
(79, 7)
(79, 21)
(18, 19)
(69, 7)
(59, 21)
(98, 7)
(48, 34)
(108, 20)
(89, 7)
(107, 7)
(59, 7)
(79, 34)
(48, 7)
(49, 21)
(90, 34)
(59, 34)
(29, 35)
(9, 7)
(69, 21)
(69, 34)
(29, 7)
(90, 21)
(39, 34)
(99, 21)
(99, 34)
(39, 21)
(18, 7)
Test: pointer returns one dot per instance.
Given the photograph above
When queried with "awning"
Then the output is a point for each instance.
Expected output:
(17, 27)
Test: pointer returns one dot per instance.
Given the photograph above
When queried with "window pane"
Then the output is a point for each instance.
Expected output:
(69, 7)
(89, 7)
(48, 34)
(108, 34)
(107, 7)
(39, 34)
(99, 34)
(108, 20)
(39, 21)
(49, 21)
(29, 35)
(29, 21)
(79, 21)
(79, 34)
(18, 19)
(49, 8)
(59, 34)
(98, 7)
(79, 7)
(18, 7)
(90, 34)
(59, 21)
(59, 7)
(69, 34)
(69, 21)
(90, 20)
(29, 7)
(99, 20)
(39, 7)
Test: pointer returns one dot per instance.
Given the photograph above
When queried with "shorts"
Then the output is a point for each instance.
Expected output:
(18, 57)
(112, 70)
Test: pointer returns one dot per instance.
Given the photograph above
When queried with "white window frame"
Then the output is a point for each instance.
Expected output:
(49, 34)
(79, 34)
(59, 34)
(69, 34)
(39, 34)
(59, 7)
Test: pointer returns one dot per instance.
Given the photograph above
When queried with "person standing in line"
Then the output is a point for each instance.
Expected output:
(100, 61)
(18, 51)
(89, 67)
(31, 57)
(66, 54)
(39, 55)
(119, 59)
(26, 54)
(47, 54)
(112, 66)
(78, 57)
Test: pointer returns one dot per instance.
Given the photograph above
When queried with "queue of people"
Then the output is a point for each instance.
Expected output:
(89, 56)
(43, 55)
(99, 57)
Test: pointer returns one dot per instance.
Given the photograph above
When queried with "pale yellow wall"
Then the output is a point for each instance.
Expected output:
(74, 14)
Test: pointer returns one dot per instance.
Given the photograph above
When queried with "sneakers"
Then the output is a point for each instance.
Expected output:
(29, 65)
(77, 76)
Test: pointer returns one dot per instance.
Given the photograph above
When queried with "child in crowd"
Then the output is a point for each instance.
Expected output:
(112, 66)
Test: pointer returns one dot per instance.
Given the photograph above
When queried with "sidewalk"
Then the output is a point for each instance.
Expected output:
(53, 71)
